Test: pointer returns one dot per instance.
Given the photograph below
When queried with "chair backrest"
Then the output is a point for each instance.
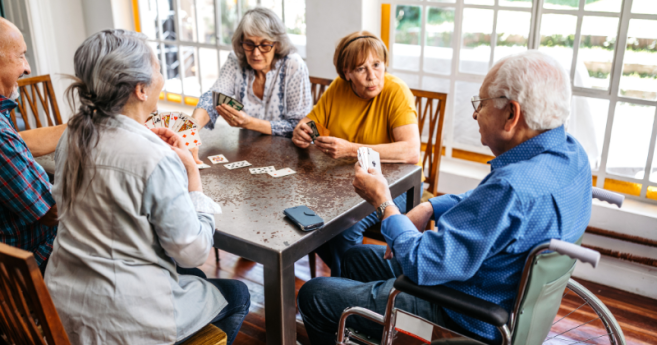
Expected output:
(37, 95)
(548, 277)
(431, 115)
(27, 313)
(318, 86)
(431, 112)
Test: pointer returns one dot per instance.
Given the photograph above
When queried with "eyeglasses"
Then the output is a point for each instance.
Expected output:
(476, 101)
(264, 48)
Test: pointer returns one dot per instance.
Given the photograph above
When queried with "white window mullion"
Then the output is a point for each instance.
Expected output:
(651, 155)
(493, 36)
(617, 70)
(177, 28)
(534, 39)
(578, 33)
(450, 109)
(424, 16)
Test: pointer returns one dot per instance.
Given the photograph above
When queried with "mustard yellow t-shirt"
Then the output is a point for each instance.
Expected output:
(370, 122)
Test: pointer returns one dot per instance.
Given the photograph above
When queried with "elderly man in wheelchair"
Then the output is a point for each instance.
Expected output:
(539, 189)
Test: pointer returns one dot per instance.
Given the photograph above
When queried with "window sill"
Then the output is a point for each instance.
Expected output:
(635, 218)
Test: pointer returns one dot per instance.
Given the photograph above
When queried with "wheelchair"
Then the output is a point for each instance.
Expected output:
(545, 281)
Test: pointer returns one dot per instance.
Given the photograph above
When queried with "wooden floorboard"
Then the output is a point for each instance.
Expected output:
(636, 314)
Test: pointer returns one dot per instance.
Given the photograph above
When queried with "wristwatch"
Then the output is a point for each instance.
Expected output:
(381, 209)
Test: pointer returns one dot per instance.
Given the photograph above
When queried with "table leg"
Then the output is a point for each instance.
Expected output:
(280, 304)
(414, 195)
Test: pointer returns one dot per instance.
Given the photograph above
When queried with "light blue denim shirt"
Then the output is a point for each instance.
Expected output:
(537, 191)
(112, 274)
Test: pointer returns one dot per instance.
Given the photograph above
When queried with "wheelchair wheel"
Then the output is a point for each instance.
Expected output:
(583, 319)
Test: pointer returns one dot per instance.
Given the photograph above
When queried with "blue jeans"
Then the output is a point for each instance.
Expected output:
(236, 293)
(368, 278)
(332, 252)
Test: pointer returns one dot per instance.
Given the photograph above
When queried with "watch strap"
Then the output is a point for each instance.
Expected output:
(382, 209)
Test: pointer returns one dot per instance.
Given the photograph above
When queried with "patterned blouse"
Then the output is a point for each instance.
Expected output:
(286, 99)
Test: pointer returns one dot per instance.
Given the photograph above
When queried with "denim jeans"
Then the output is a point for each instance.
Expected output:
(367, 280)
(236, 293)
(332, 252)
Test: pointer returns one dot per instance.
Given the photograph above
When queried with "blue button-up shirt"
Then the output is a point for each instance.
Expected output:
(539, 190)
(24, 192)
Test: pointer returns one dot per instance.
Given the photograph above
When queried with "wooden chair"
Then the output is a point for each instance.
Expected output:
(431, 112)
(37, 93)
(318, 86)
(28, 314)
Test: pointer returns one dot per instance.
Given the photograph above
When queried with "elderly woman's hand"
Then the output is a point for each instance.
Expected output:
(301, 135)
(335, 147)
(233, 117)
(178, 146)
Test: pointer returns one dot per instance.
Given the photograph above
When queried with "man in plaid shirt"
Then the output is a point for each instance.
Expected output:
(28, 214)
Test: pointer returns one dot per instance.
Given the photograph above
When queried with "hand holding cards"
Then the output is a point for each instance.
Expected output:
(368, 158)
(318, 130)
(219, 98)
(182, 124)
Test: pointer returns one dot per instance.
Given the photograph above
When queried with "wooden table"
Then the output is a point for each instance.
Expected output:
(253, 225)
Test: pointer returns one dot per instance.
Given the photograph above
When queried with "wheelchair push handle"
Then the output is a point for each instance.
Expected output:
(575, 252)
(607, 196)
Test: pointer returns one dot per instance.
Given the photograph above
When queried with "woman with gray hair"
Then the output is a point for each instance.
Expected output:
(132, 211)
(265, 74)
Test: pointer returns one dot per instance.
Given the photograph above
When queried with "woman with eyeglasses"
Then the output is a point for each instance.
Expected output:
(265, 74)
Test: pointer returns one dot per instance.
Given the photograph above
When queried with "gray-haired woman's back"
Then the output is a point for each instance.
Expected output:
(111, 273)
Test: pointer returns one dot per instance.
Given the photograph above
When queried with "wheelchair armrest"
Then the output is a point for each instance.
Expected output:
(454, 300)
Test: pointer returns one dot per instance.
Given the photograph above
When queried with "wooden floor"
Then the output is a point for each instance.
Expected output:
(637, 315)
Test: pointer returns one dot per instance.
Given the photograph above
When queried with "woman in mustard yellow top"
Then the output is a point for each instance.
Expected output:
(365, 106)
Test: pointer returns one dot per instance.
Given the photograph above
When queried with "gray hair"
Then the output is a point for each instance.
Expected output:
(109, 65)
(262, 22)
(538, 83)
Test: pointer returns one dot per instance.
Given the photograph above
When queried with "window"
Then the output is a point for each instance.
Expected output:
(192, 38)
(609, 48)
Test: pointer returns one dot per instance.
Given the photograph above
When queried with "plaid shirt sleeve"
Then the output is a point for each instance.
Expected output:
(24, 186)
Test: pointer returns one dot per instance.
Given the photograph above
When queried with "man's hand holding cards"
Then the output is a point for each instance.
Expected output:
(183, 125)
(368, 158)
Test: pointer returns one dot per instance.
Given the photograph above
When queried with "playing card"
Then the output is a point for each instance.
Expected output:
(323, 131)
(157, 121)
(221, 99)
(256, 171)
(202, 166)
(149, 122)
(237, 165)
(218, 159)
(282, 172)
(234, 103)
(313, 127)
(373, 160)
(362, 157)
(368, 158)
(187, 122)
(190, 138)
(215, 98)
(175, 120)
(165, 119)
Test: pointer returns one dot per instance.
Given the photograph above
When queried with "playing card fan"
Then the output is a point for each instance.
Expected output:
(184, 125)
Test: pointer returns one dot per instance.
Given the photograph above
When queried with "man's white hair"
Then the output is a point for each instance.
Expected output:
(538, 83)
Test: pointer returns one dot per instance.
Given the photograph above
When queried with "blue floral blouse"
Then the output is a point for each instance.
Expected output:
(286, 98)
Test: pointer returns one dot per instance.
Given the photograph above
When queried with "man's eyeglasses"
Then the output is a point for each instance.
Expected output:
(476, 101)
(264, 48)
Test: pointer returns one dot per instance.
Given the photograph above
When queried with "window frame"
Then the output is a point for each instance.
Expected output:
(139, 7)
(602, 178)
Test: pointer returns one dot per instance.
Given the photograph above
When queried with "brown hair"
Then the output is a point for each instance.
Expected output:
(355, 48)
